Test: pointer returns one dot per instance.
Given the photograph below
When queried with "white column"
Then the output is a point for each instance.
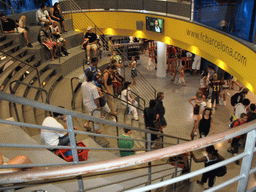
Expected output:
(161, 59)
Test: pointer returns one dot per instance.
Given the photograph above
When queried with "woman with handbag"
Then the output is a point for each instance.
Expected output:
(211, 158)
(198, 102)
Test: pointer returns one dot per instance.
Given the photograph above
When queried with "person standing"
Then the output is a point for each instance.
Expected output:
(126, 144)
(233, 149)
(91, 100)
(127, 96)
(159, 107)
(108, 83)
(151, 118)
(133, 66)
(206, 123)
(211, 158)
(215, 85)
(198, 102)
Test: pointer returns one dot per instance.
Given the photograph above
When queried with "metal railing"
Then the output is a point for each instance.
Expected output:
(26, 63)
(41, 90)
(73, 147)
(178, 8)
(82, 21)
(79, 170)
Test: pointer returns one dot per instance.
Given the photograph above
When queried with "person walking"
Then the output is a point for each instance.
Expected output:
(211, 158)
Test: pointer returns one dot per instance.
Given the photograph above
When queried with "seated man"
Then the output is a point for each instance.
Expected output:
(42, 16)
(89, 42)
(58, 39)
(126, 144)
(44, 37)
(20, 159)
(55, 138)
(10, 26)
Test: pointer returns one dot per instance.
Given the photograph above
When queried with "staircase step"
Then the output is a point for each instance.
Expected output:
(3, 37)
(12, 48)
(6, 43)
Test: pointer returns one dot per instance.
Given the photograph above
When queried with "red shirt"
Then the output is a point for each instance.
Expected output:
(237, 124)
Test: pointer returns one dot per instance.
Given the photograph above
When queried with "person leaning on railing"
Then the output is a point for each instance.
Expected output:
(11, 26)
(20, 159)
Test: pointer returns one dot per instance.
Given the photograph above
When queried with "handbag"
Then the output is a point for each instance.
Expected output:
(196, 110)
(221, 171)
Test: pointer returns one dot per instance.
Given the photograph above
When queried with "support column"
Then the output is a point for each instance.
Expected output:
(161, 59)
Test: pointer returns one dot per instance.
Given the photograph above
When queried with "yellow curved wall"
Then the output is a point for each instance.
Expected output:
(227, 53)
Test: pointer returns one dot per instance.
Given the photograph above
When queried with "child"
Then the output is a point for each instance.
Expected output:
(133, 70)
(181, 79)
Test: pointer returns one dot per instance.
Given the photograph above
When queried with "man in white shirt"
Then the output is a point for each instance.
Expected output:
(42, 15)
(91, 100)
(241, 108)
(51, 137)
(127, 96)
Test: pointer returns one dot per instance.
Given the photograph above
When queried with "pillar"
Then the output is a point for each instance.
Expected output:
(161, 59)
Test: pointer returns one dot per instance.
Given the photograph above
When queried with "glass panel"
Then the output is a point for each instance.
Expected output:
(235, 17)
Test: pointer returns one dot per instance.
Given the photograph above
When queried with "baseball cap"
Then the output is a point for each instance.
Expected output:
(89, 28)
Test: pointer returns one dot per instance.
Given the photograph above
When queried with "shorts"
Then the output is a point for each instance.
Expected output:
(50, 44)
(93, 46)
(20, 30)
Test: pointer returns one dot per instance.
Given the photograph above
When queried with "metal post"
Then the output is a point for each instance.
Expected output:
(74, 149)
(247, 160)
(149, 164)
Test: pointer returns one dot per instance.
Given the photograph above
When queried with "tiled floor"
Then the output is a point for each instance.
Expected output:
(178, 115)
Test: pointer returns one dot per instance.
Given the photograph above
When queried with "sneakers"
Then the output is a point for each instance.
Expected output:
(62, 54)
(135, 118)
(29, 45)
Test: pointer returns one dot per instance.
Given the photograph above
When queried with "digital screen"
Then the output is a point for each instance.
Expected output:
(154, 24)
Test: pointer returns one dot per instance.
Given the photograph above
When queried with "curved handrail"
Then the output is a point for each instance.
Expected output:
(79, 10)
(72, 171)
(73, 105)
(26, 63)
(28, 85)
(8, 6)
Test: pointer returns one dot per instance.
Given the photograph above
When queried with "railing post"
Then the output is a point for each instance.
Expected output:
(149, 164)
(247, 160)
(74, 149)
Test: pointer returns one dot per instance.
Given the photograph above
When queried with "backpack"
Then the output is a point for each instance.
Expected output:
(234, 98)
(221, 171)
